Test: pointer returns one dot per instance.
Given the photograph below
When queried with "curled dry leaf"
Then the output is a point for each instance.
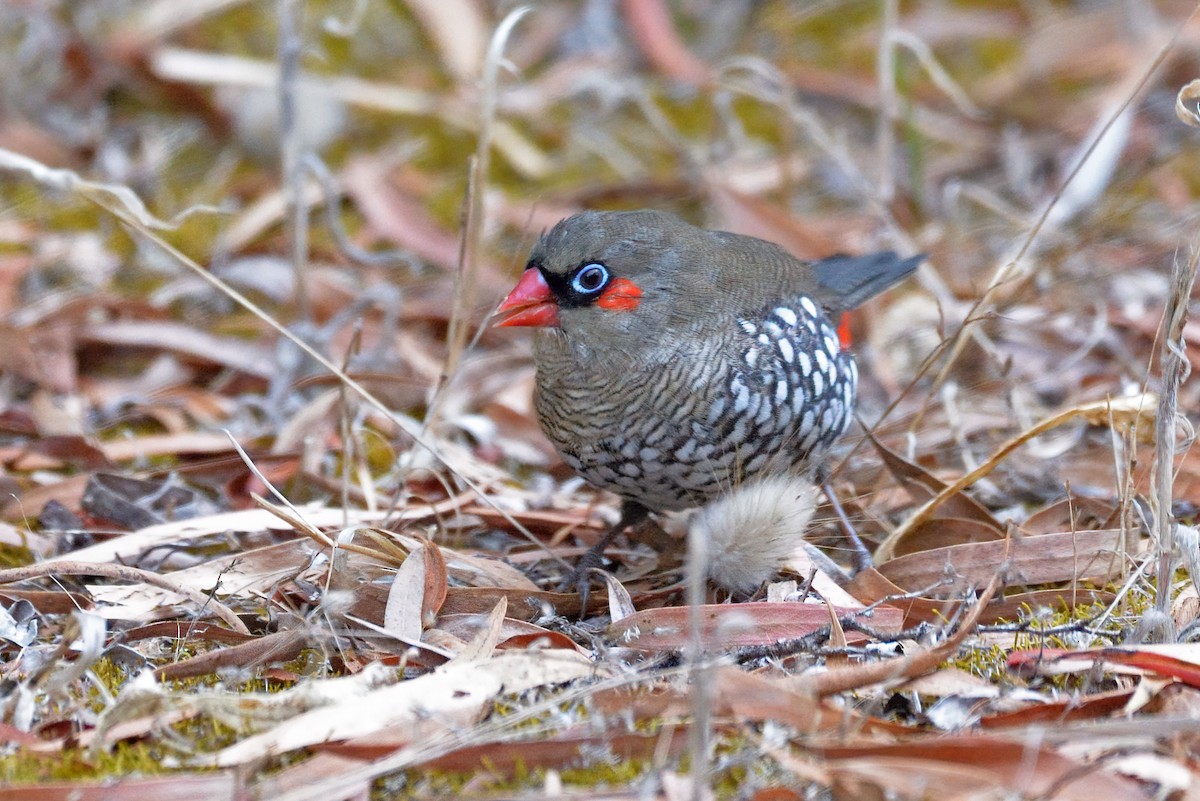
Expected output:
(620, 604)
(484, 642)
(418, 592)
(1187, 104)
(1185, 608)
(1135, 410)
(924, 486)
(837, 637)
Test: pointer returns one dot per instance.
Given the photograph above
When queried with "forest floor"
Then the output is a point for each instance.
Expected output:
(278, 518)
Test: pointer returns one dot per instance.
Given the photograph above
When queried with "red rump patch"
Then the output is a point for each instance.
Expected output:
(844, 331)
(621, 295)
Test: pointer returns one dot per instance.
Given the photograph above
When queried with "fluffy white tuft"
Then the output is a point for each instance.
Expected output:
(753, 529)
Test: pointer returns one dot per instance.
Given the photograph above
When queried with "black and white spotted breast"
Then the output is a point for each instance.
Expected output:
(769, 396)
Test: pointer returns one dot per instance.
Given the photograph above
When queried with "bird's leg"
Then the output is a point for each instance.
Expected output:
(860, 558)
(632, 513)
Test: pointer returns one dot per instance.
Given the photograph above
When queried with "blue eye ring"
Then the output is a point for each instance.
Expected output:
(590, 278)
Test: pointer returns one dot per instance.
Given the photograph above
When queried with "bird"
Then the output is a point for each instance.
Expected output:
(676, 363)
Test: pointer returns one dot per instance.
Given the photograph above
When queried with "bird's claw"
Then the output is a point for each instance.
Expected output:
(632, 514)
(580, 579)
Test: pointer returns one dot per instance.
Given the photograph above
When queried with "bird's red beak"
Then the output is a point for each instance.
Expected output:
(530, 303)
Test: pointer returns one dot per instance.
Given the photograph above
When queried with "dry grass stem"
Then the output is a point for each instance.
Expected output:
(1175, 369)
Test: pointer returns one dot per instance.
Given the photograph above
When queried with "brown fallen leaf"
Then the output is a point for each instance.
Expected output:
(1042, 559)
(961, 765)
(1081, 707)
(1071, 514)
(512, 634)
(1178, 661)
(323, 765)
(236, 354)
(222, 785)
(280, 646)
(944, 532)
(757, 698)
(417, 593)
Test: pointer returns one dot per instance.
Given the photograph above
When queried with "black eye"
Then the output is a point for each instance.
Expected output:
(590, 278)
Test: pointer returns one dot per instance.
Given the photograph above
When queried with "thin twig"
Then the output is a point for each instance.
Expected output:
(397, 257)
(473, 225)
(850, 678)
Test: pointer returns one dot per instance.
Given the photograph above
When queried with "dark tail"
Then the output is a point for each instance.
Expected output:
(849, 281)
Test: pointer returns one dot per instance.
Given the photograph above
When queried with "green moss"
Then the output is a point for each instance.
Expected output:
(15, 556)
(125, 760)
(617, 774)
(991, 662)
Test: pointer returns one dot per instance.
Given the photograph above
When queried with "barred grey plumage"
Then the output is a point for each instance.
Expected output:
(770, 394)
(674, 362)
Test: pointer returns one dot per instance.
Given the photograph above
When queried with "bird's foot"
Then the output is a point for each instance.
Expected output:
(580, 578)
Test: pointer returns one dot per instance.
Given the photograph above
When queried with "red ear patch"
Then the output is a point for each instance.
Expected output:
(844, 331)
(621, 295)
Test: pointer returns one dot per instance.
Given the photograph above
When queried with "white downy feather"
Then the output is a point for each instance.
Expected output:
(753, 529)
